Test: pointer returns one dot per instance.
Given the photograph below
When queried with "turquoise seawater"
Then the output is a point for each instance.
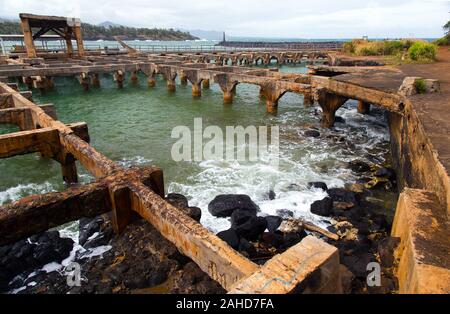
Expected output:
(133, 126)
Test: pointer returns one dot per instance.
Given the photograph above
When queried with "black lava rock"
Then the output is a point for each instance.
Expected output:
(87, 227)
(322, 207)
(271, 195)
(359, 166)
(230, 236)
(385, 173)
(177, 200)
(272, 239)
(195, 213)
(311, 133)
(224, 205)
(251, 228)
(318, 185)
(273, 222)
(342, 195)
(285, 213)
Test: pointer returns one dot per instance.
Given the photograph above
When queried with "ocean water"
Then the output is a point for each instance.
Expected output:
(133, 127)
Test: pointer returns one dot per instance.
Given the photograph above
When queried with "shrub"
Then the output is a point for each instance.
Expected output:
(420, 86)
(444, 41)
(393, 47)
(422, 51)
(349, 47)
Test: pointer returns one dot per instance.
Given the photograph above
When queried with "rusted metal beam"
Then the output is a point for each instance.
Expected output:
(311, 266)
(45, 141)
(38, 213)
(210, 253)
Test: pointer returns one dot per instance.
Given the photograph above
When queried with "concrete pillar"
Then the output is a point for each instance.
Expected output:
(79, 39)
(271, 106)
(205, 83)
(363, 107)
(42, 83)
(69, 169)
(261, 92)
(133, 77)
(183, 79)
(171, 87)
(28, 38)
(95, 80)
(329, 103)
(196, 90)
(227, 97)
(119, 77)
(84, 80)
(68, 34)
(28, 81)
(308, 100)
(151, 81)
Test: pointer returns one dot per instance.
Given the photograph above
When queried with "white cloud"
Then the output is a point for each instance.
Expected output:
(268, 18)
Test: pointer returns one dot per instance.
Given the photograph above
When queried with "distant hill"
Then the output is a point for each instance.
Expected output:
(108, 24)
(108, 32)
(209, 35)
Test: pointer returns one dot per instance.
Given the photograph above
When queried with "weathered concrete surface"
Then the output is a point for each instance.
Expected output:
(311, 266)
(423, 254)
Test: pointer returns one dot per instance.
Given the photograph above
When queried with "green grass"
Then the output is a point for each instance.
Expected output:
(422, 51)
(420, 86)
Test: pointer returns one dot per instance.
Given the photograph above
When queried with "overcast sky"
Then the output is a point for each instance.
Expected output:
(264, 18)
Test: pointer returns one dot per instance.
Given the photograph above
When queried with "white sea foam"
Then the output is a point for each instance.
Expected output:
(21, 190)
(301, 160)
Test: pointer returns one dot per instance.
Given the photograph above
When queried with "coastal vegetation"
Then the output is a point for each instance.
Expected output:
(406, 50)
(444, 41)
(95, 32)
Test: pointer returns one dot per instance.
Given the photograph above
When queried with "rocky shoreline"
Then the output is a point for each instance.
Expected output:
(140, 260)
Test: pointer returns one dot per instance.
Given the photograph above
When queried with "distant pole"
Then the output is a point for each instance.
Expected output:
(223, 39)
(3, 46)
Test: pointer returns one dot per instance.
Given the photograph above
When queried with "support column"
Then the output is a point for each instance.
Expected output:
(28, 38)
(261, 92)
(133, 77)
(271, 93)
(84, 80)
(196, 90)
(79, 39)
(151, 81)
(205, 83)
(68, 34)
(329, 103)
(308, 100)
(183, 79)
(95, 80)
(68, 168)
(28, 81)
(42, 83)
(171, 87)
(119, 77)
(363, 107)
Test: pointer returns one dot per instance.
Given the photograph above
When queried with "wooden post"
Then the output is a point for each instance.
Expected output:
(28, 38)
